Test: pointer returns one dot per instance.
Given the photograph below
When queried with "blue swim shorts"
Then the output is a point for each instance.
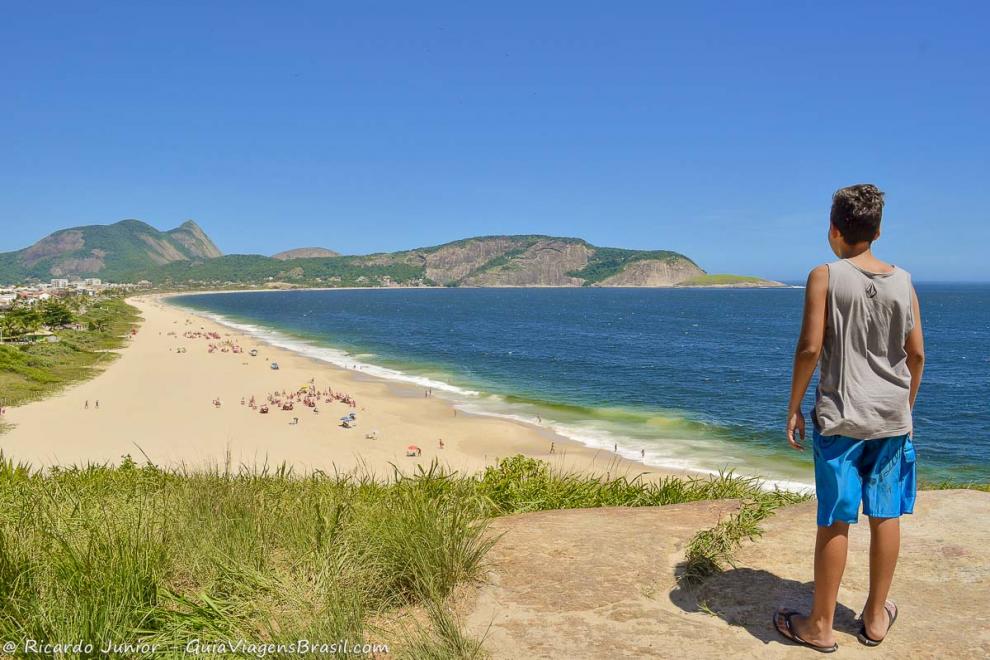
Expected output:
(879, 473)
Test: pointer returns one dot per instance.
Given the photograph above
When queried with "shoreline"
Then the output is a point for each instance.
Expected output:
(156, 403)
(471, 402)
(203, 292)
(601, 461)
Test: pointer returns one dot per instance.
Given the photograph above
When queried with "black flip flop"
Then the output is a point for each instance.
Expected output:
(792, 636)
(865, 639)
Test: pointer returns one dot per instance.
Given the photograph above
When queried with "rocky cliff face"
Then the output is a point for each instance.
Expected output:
(493, 261)
(198, 245)
(546, 263)
(453, 262)
(654, 273)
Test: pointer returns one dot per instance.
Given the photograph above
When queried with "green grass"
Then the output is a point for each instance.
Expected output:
(521, 484)
(142, 553)
(721, 280)
(953, 485)
(711, 550)
(34, 371)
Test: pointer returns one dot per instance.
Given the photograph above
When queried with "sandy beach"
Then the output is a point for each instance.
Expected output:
(156, 402)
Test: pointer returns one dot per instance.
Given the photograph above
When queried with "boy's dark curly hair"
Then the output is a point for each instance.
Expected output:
(856, 212)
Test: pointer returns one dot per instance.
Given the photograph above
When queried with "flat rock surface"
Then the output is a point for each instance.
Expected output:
(601, 583)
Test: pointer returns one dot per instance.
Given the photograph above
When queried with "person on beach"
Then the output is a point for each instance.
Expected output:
(862, 319)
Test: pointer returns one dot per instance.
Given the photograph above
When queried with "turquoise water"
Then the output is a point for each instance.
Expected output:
(693, 378)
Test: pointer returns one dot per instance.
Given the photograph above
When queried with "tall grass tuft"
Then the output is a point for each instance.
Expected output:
(520, 484)
(141, 553)
(712, 549)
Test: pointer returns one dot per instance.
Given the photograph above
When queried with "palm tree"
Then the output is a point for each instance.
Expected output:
(20, 321)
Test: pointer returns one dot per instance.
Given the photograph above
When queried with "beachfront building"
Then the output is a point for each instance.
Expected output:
(31, 297)
(92, 281)
(38, 336)
(60, 283)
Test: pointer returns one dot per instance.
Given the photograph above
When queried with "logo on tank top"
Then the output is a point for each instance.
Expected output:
(871, 290)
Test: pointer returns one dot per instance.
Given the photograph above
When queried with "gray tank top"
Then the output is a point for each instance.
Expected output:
(864, 382)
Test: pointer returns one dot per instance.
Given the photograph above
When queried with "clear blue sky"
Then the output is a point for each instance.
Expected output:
(716, 129)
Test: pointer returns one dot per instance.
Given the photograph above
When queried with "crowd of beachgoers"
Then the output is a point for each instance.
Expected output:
(308, 396)
(216, 342)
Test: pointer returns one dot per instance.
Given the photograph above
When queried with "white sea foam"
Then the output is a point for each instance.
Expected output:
(334, 356)
(641, 450)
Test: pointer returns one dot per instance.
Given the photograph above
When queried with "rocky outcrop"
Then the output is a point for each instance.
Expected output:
(161, 251)
(79, 265)
(654, 273)
(198, 245)
(602, 583)
(61, 242)
(453, 262)
(547, 263)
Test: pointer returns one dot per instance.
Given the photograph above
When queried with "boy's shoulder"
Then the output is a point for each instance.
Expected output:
(818, 277)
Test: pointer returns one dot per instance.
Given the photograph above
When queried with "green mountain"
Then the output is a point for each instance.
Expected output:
(111, 252)
(486, 261)
(131, 250)
(305, 253)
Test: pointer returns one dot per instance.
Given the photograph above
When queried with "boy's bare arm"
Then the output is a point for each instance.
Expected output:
(809, 348)
(914, 346)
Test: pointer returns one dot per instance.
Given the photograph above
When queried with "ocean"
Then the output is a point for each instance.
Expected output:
(693, 379)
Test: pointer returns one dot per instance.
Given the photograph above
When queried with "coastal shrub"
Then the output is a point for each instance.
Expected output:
(443, 639)
(163, 556)
(710, 550)
(136, 552)
(953, 485)
(519, 484)
(32, 371)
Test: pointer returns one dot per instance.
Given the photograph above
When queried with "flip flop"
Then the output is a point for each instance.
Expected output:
(865, 639)
(792, 636)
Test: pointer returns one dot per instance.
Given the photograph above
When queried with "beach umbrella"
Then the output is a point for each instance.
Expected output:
(412, 448)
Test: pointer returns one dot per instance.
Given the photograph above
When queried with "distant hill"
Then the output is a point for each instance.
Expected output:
(305, 253)
(487, 261)
(108, 251)
(131, 250)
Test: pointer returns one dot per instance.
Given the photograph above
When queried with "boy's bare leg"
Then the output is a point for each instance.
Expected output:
(885, 544)
(831, 548)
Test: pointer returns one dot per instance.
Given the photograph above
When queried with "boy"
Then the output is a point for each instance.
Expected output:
(861, 317)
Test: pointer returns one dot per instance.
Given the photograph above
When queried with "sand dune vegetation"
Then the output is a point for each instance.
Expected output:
(162, 557)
